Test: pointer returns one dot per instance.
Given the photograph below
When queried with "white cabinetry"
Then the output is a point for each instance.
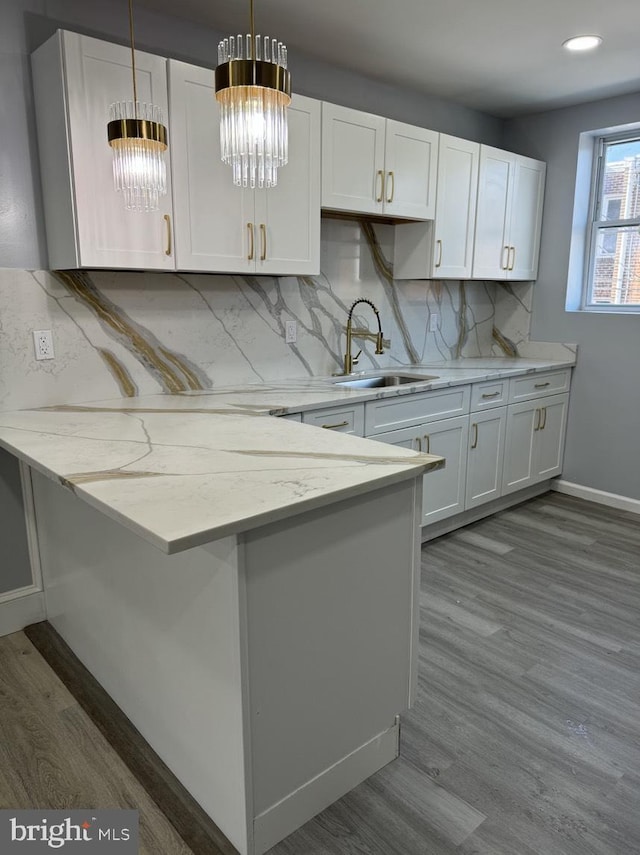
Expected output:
(444, 249)
(345, 418)
(484, 461)
(372, 165)
(220, 227)
(443, 492)
(534, 442)
(509, 215)
(75, 80)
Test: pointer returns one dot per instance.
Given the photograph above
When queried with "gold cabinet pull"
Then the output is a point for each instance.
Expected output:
(490, 394)
(512, 249)
(336, 426)
(393, 186)
(542, 385)
(505, 266)
(544, 418)
(380, 175)
(419, 441)
(263, 235)
(427, 439)
(537, 424)
(474, 444)
(439, 245)
(251, 242)
(168, 249)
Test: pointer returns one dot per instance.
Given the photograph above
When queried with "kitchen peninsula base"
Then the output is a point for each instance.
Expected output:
(268, 668)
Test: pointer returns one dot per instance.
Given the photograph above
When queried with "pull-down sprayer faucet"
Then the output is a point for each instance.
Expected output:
(362, 332)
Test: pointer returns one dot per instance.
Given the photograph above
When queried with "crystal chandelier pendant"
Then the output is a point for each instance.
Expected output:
(138, 140)
(253, 87)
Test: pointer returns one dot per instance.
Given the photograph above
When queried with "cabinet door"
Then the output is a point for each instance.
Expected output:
(519, 448)
(550, 436)
(411, 163)
(444, 490)
(288, 215)
(526, 218)
(495, 183)
(455, 207)
(352, 160)
(97, 74)
(485, 458)
(215, 223)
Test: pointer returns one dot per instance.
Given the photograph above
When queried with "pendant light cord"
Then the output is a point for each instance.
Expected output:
(133, 58)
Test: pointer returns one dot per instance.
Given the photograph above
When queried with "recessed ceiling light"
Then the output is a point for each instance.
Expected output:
(580, 43)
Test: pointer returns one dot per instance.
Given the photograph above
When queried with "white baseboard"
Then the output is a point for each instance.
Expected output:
(612, 500)
(300, 806)
(19, 612)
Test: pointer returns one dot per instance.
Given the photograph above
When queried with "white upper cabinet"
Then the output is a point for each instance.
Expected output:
(444, 249)
(372, 165)
(455, 207)
(509, 215)
(221, 227)
(75, 79)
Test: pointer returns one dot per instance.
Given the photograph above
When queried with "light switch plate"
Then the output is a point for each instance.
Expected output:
(434, 322)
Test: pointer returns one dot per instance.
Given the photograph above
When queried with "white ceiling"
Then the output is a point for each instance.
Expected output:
(500, 56)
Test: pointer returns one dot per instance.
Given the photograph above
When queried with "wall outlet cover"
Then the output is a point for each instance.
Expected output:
(434, 322)
(43, 344)
(290, 332)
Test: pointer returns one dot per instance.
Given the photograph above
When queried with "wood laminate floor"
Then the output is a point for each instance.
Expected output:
(525, 737)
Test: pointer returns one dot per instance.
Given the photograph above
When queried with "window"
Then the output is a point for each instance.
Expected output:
(613, 279)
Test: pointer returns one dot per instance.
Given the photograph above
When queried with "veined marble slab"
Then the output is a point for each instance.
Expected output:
(181, 473)
(183, 470)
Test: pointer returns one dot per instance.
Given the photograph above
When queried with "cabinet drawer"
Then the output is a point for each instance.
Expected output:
(536, 385)
(349, 419)
(404, 411)
(493, 393)
(292, 417)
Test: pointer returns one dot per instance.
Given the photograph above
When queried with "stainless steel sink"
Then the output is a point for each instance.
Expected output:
(383, 380)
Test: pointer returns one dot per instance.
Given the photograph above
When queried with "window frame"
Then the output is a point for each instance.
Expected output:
(595, 225)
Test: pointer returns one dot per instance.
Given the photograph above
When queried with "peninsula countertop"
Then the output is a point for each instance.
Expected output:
(184, 470)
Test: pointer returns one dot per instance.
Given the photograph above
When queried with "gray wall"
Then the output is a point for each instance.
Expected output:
(14, 564)
(25, 24)
(604, 422)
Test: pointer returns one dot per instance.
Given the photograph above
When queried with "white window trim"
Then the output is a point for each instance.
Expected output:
(600, 139)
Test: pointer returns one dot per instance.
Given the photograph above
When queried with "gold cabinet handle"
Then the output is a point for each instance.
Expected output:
(544, 418)
(537, 424)
(427, 439)
(419, 441)
(439, 245)
(542, 385)
(380, 175)
(490, 395)
(393, 186)
(505, 250)
(513, 258)
(336, 426)
(263, 235)
(168, 248)
(474, 444)
(251, 242)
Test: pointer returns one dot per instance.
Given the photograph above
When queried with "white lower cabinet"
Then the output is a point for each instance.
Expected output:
(444, 490)
(347, 418)
(484, 461)
(534, 441)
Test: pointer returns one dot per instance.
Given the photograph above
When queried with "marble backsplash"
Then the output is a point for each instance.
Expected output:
(133, 333)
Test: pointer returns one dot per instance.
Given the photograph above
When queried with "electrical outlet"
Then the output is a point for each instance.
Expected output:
(43, 344)
(290, 332)
(434, 322)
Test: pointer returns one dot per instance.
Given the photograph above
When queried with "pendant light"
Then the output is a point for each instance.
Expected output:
(138, 140)
(253, 87)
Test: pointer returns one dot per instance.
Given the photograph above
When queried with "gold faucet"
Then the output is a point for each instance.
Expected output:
(362, 332)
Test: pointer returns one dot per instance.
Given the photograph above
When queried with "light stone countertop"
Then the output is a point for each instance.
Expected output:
(184, 470)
